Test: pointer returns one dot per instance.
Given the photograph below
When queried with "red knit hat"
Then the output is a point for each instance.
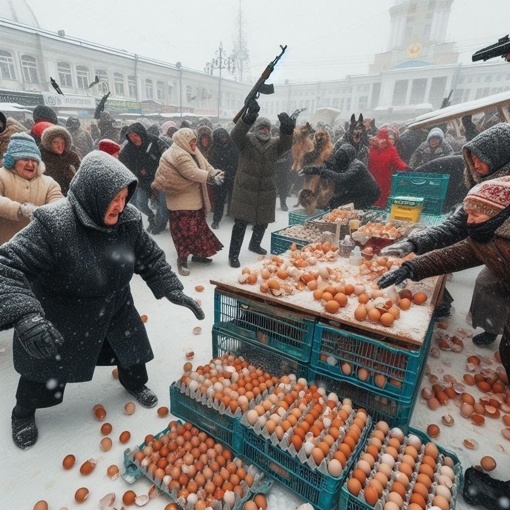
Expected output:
(109, 146)
(383, 134)
(489, 197)
(39, 127)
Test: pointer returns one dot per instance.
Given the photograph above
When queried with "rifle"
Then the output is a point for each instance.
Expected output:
(100, 106)
(501, 48)
(446, 101)
(296, 113)
(261, 87)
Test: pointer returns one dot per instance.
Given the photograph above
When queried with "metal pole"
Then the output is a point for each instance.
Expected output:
(220, 67)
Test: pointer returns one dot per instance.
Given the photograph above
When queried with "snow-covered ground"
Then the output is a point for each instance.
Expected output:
(28, 476)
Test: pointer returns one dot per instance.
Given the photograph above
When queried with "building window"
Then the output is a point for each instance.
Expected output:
(29, 67)
(102, 86)
(149, 90)
(418, 91)
(132, 86)
(160, 90)
(362, 102)
(437, 91)
(65, 76)
(188, 93)
(82, 77)
(7, 66)
(118, 80)
(400, 92)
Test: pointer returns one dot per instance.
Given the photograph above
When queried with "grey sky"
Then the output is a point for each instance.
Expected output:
(327, 39)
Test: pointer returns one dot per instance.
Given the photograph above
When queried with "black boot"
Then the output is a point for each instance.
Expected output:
(182, 266)
(484, 338)
(283, 204)
(236, 241)
(481, 489)
(256, 238)
(201, 260)
(144, 396)
(24, 428)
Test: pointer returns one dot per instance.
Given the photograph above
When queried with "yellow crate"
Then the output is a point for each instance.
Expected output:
(406, 209)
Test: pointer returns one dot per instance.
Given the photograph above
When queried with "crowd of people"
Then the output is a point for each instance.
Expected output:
(101, 189)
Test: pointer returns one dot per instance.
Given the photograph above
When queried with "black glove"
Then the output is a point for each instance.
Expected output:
(395, 277)
(252, 112)
(38, 336)
(178, 297)
(399, 249)
(287, 124)
(311, 170)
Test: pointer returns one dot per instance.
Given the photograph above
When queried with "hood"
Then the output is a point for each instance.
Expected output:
(73, 123)
(50, 133)
(139, 129)
(345, 155)
(3, 122)
(435, 133)
(106, 121)
(44, 113)
(491, 146)
(204, 130)
(167, 125)
(96, 184)
(220, 133)
(183, 137)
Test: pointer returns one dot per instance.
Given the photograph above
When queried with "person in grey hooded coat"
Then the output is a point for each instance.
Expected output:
(65, 289)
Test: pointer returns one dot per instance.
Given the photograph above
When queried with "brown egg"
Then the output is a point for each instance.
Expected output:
(363, 299)
(418, 499)
(360, 314)
(163, 411)
(441, 502)
(406, 469)
(399, 488)
(421, 489)
(360, 475)
(105, 444)
(354, 486)
(81, 494)
(419, 298)
(112, 472)
(404, 304)
(387, 319)
(374, 315)
(87, 467)
(130, 408)
(432, 450)
(426, 470)
(106, 428)
(41, 505)
(488, 463)
(68, 461)
(125, 436)
(377, 485)
(433, 430)
(332, 306)
(129, 497)
(371, 496)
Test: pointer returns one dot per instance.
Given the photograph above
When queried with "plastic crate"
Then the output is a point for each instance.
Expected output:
(395, 412)
(350, 502)
(280, 243)
(258, 355)
(321, 490)
(219, 426)
(400, 364)
(132, 472)
(431, 187)
(299, 216)
(282, 329)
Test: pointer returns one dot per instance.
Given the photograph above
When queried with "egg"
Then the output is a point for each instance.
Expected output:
(332, 306)
(125, 436)
(419, 298)
(106, 428)
(404, 304)
(390, 505)
(386, 458)
(354, 486)
(396, 499)
(432, 450)
(317, 455)
(374, 315)
(163, 411)
(448, 471)
(445, 492)
(261, 501)
(81, 494)
(68, 461)
(364, 466)
(487, 463)
(105, 444)
(360, 314)
(41, 505)
(441, 502)
(87, 467)
(334, 468)
(128, 498)
(387, 319)
(359, 474)
(371, 496)
(418, 499)
(252, 417)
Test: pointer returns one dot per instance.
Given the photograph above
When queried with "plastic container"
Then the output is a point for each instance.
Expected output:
(345, 246)
(355, 257)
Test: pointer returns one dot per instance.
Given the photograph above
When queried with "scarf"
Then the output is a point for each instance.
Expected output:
(484, 232)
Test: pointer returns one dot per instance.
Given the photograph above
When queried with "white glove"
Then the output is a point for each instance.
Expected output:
(26, 210)
(218, 178)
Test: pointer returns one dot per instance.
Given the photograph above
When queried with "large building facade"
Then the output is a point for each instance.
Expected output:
(419, 69)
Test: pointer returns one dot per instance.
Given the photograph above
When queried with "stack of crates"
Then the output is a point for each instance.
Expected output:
(431, 187)
(299, 216)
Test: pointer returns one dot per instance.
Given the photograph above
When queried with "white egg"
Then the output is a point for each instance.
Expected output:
(386, 458)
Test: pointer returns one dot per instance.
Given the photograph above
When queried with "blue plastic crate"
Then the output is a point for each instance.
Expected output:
(350, 502)
(219, 426)
(395, 412)
(271, 361)
(281, 243)
(321, 490)
(401, 364)
(419, 184)
(299, 216)
(282, 329)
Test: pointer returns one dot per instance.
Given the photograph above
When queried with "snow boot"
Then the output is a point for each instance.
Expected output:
(234, 262)
(215, 225)
(256, 238)
(24, 429)
(480, 489)
(182, 266)
(283, 204)
(485, 338)
(200, 260)
(236, 241)
(144, 396)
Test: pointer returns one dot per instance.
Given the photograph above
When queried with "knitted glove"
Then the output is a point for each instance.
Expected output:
(287, 124)
(26, 210)
(178, 297)
(217, 178)
(395, 277)
(399, 249)
(38, 336)
(252, 112)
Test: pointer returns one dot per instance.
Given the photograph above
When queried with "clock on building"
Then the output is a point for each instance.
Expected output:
(414, 50)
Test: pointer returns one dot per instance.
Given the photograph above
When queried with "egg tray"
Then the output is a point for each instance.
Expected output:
(284, 330)
(402, 367)
(393, 411)
(132, 471)
(350, 502)
(299, 216)
(309, 481)
(280, 243)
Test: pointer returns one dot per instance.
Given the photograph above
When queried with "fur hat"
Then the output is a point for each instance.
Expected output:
(489, 197)
(49, 134)
(21, 146)
(435, 133)
(42, 112)
(262, 122)
(108, 146)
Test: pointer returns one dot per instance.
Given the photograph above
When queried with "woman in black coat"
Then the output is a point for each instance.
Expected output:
(64, 287)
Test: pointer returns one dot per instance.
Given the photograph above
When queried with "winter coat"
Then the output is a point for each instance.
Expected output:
(492, 145)
(11, 126)
(82, 141)
(425, 153)
(453, 166)
(107, 128)
(224, 156)
(381, 164)
(353, 182)
(61, 167)
(15, 190)
(182, 176)
(254, 195)
(143, 161)
(69, 267)
(208, 132)
(409, 141)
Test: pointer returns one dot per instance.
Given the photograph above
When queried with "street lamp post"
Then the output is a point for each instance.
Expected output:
(220, 63)
(179, 68)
